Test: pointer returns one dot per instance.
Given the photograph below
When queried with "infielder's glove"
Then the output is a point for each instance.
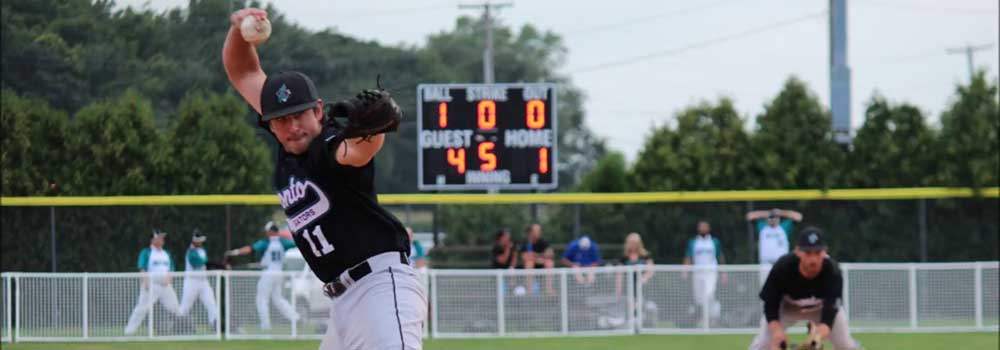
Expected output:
(370, 113)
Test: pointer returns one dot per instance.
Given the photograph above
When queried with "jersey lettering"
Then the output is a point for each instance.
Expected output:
(295, 192)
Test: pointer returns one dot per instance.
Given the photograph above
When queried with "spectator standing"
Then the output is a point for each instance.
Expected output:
(635, 254)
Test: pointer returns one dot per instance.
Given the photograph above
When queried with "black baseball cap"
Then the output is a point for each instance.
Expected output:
(811, 239)
(286, 93)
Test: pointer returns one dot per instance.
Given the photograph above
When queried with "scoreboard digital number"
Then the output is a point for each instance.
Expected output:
(486, 137)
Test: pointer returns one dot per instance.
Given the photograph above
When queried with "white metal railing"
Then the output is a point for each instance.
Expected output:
(907, 297)
(5, 329)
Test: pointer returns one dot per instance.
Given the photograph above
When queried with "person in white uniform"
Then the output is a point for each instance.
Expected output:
(272, 251)
(704, 251)
(196, 284)
(773, 227)
(157, 285)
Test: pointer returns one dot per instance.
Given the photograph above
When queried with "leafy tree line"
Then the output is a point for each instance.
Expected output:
(791, 147)
(107, 101)
(116, 102)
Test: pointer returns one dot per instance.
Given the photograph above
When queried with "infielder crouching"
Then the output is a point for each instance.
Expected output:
(804, 286)
(196, 286)
(156, 283)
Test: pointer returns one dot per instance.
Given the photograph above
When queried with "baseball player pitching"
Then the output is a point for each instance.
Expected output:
(324, 177)
(272, 256)
(196, 286)
(156, 283)
(804, 286)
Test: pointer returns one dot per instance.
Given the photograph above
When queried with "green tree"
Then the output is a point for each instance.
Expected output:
(125, 153)
(705, 152)
(969, 141)
(793, 147)
(213, 150)
(893, 148)
(33, 141)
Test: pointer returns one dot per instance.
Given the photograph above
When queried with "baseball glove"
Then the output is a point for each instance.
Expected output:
(370, 113)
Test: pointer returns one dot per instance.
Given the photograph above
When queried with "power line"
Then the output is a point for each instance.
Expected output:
(701, 44)
(632, 21)
(935, 9)
(969, 51)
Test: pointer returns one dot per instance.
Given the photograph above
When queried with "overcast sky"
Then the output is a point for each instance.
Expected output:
(640, 61)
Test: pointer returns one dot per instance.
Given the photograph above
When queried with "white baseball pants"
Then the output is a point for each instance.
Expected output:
(384, 310)
(703, 287)
(840, 334)
(269, 289)
(147, 298)
(195, 289)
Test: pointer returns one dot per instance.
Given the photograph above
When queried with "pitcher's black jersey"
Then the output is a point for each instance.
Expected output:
(333, 210)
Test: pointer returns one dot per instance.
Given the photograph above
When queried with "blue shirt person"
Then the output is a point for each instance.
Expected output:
(582, 252)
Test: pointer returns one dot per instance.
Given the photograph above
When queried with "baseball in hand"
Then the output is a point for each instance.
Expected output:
(255, 31)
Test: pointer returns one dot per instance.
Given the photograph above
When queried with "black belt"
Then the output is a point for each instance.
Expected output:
(337, 287)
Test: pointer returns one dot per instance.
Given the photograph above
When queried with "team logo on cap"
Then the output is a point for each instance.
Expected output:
(813, 238)
(283, 93)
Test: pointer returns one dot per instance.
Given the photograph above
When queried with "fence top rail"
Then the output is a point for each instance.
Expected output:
(529, 198)
(539, 271)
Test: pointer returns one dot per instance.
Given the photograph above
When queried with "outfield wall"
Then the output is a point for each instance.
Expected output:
(906, 297)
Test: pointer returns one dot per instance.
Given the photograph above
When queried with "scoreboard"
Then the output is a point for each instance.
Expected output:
(486, 137)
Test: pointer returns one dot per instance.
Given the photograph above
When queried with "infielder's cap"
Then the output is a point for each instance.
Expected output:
(286, 93)
(810, 239)
(197, 236)
(157, 233)
(270, 226)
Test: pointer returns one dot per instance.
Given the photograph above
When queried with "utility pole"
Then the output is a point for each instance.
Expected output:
(970, 51)
(487, 8)
(840, 73)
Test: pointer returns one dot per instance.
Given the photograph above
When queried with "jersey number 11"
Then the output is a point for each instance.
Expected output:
(324, 246)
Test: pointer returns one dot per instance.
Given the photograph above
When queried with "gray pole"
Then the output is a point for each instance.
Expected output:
(969, 51)
(229, 229)
(576, 220)
(923, 229)
(840, 73)
(750, 240)
(488, 22)
(488, 52)
(52, 227)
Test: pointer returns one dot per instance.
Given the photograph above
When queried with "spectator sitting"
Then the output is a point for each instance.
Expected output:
(581, 252)
(536, 252)
(636, 254)
(504, 255)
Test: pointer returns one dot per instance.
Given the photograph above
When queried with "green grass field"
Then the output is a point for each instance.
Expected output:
(949, 341)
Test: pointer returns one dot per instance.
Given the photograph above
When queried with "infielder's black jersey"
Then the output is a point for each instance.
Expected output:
(333, 210)
(785, 284)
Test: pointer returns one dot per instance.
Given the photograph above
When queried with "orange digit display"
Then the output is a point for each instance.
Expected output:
(457, 159)
(486, 155)
(535, 114)
(443, 115)
(543, 160)
(487, 114)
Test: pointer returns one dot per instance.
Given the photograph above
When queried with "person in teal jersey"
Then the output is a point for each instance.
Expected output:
(196, 283)
(272, 252)
(156, 265)
(773, 228)
(704, 251)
